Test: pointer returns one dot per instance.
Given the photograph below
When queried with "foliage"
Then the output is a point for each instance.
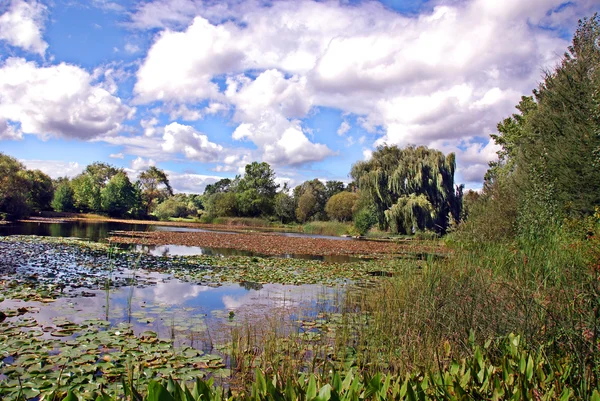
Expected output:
(155, 187)
(550, 147)
(513, 372)
(222, 185)
(256, 190)
(40, 192)
(88, 185)
(317, 191)
(63, 200)
(222, 204)
(333, 187)
(173, 207)
(410, 187)
(307, 206)
(284, 207)
(340, 206)
(118, 196)
(13, 188)
(364, 219)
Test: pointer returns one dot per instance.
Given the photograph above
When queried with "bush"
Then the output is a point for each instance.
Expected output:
(339, 206)
(171, 208)
(364, 220)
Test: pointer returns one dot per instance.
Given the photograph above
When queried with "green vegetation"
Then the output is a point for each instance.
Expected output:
(514, 373)
(22, 191)
(411, 189)
(511, 311)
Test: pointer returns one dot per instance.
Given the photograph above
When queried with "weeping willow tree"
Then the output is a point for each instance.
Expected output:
(411, 188)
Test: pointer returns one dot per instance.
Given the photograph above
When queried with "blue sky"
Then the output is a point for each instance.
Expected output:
(201, 88)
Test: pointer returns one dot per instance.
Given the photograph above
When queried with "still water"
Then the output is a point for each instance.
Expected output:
(98, 231)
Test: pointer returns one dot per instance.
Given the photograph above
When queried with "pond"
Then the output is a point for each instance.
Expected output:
(184, 250)
(187, 313)
(100, 230)
(168, 324)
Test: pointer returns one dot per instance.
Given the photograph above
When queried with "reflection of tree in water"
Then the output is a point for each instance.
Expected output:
(251, 285)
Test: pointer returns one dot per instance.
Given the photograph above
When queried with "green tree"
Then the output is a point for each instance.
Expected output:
(307, 205)
(88, 185)
(14, 188)
(285, 207)
(118, 196)
(155, 187)
(317, 190)
(411, 188)
(222, 185)
(173, 207)
(41, 190)
(63, 200)
(256, 190)
(333, 187)
(549, 159)
(222, 204)
(341, 205)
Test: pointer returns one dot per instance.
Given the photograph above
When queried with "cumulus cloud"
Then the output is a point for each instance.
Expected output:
(190, 182)
(185, 139)
(22, 25)
(9, 131)
(140, 163)
(59, 100)
(54, 168)
(448, 74)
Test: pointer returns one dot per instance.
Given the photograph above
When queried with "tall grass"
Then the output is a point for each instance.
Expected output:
(333, 228)
(547, 291)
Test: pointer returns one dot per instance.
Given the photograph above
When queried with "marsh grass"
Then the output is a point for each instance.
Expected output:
(546, 290)
(333, 228)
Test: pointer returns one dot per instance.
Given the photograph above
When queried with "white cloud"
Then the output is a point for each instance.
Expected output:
(132, 48)
(9, 131)
(185, 139)
(448, 74)
(117, 156)
(22, 25)
(344, 128)
(140, 163)
(149, 126)
(189, 182)
(54, 168)
(58, 100)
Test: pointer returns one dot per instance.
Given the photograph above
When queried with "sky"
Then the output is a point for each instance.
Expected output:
(200, 88)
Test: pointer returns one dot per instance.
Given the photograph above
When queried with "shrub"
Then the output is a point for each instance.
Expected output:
(340, 205)
(364, 220)
(171, 208)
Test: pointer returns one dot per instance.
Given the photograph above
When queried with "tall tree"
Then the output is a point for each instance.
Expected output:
(41, 190)
(63, 200)
(118, 196)
(256, 190)
(155, 187)
(551, 149)
(220, 186)
(88, 185)
(14, 188)
(317, 190)
(333, 187)
(411, 188)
